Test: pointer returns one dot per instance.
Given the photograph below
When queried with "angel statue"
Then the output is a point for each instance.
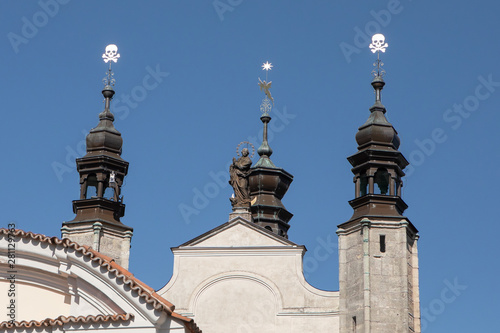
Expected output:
(266, 86)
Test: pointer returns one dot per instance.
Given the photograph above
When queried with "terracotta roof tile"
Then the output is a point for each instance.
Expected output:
(188, 323)
(62, 320)
(144, 291)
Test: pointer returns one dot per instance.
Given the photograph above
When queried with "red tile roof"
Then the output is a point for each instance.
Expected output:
(62, 320)
(143, 290)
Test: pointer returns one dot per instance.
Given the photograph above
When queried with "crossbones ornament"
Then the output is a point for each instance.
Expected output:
(378, 43)
(111, 53)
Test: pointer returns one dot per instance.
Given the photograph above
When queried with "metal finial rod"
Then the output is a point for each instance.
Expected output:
(378, 71)
(110, 55)
(264, 149)
(267, 66)
(265, 121)
(378, 44)
(378, 97)
(107, 102)
(265, 106)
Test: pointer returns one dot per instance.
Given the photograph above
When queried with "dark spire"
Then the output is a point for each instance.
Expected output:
(265, 150)
(268, 183)
(105, 138)
(378, 165)
(377, 130)
(102, 171)
(378, 84)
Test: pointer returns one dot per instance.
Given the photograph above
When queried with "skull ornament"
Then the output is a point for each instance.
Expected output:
(378, 43)
(111, 53)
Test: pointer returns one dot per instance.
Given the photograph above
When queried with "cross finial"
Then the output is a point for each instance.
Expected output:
(378, 44)
(110, 55)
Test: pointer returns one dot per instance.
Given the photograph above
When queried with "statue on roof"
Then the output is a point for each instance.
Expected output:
(238, 172)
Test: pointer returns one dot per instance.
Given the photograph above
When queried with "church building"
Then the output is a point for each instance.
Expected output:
(243, 276)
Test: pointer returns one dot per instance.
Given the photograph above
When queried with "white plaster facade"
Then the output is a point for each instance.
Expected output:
(240, 277)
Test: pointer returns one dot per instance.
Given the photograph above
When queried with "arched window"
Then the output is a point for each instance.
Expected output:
(382, 181)
(91, 186)
(109, 193)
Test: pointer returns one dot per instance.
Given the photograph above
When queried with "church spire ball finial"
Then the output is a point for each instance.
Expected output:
(378, 44)
(110, 55)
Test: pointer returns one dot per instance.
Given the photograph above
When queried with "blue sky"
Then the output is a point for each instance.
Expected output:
(187, 94)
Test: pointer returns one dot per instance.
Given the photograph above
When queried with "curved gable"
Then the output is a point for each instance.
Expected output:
(54, 278)
(255, 279)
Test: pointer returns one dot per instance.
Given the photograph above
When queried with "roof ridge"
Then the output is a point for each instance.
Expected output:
(62, 320)
(236, 220)
(143, 290)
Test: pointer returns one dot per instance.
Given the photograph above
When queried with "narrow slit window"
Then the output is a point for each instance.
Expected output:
(382, 243)
(354, 324)
(363, 184)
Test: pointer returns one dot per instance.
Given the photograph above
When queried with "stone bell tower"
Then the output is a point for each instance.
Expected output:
(102, 170)
(378, 258)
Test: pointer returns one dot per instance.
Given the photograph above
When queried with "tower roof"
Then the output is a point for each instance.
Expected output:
(102, 172)
(105, 139)
(378, 165)
(268, 183)
(377, 131)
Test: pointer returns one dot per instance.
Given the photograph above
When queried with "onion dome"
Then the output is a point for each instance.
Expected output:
(105, 137)
(377, 131)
